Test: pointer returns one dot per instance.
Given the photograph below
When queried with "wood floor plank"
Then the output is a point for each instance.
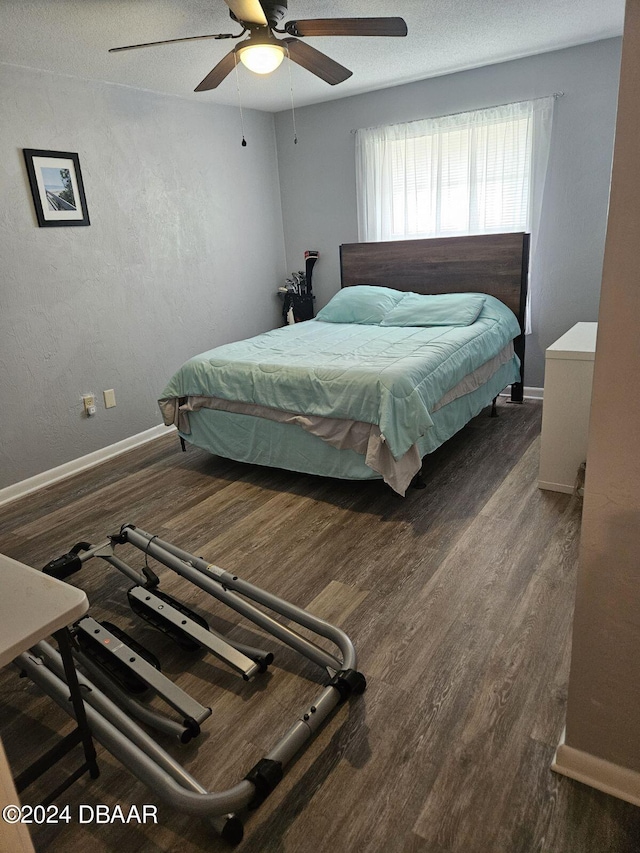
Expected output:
(496, 728)
(459, 601)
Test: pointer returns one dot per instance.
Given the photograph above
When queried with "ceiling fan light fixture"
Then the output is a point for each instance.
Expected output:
(261, 58)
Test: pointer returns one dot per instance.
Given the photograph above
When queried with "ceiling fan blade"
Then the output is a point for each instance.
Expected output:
(217, 74)
(248, 11)
(172, 41)
(348, 27)
(316, 62)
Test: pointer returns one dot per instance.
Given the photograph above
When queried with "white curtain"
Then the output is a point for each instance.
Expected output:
(481, 172)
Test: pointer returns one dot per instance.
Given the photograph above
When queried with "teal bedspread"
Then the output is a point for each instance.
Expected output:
(389, 376)
(264, 442)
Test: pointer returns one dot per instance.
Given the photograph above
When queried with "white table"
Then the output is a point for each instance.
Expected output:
(565, 410)
(34, 606)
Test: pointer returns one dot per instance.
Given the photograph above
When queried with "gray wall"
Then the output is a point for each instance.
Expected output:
(184, 252)
(185, 247)
(317, 176)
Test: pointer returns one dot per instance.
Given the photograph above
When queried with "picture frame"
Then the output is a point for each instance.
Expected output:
(56, 187)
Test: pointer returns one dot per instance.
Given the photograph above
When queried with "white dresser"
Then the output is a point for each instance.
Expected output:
(565, 412)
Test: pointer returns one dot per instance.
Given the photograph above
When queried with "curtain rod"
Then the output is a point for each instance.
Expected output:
(554, 95)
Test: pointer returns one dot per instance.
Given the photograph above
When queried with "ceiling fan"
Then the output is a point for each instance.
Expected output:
(262, 52)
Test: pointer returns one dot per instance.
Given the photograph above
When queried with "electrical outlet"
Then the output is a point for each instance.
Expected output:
(109, 398)
(89, 403)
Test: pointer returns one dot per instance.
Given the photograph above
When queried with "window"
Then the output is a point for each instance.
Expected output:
(479, 172)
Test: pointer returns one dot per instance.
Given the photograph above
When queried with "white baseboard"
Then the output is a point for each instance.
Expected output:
(75, 466)
(533, 393)
(611, 778)
(556, 487)
(530, 393)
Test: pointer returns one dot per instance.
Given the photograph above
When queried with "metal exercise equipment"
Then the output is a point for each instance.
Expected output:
(121, 666)
(112, 725)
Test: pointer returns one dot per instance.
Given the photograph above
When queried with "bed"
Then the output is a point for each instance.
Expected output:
(421, 337)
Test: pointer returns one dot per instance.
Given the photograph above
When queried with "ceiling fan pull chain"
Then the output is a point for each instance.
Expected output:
(293, 109)
(235, 63)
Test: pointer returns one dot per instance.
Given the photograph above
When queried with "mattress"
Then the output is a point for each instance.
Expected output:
(285, 445)
(370, 390)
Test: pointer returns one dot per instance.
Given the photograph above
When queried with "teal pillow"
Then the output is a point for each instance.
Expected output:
(362, 303)
(442, 309)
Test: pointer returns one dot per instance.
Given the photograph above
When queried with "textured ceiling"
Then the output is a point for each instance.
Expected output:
(72, 37)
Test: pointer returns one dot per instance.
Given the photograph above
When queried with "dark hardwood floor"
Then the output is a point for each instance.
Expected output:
(459, 600)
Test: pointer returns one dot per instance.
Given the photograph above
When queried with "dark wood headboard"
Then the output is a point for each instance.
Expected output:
(497, 264)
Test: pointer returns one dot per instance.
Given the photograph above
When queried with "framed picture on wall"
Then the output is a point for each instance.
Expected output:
(57, 188)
